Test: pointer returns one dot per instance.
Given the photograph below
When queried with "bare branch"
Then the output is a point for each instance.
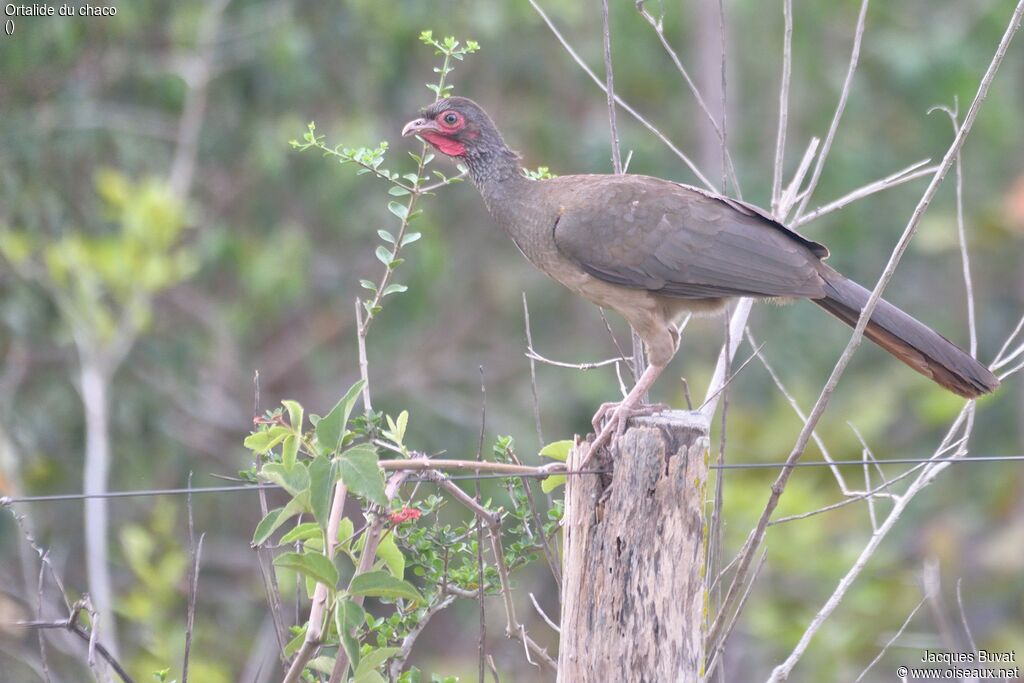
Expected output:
(840, 108)
(912, 172)
(780, 136)
(757, 535)
(622, 103)
(892, 640)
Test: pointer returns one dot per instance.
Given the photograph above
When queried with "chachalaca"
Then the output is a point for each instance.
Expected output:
(654, 250)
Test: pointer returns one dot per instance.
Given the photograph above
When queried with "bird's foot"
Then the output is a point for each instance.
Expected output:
(606, 426)
(619, 413)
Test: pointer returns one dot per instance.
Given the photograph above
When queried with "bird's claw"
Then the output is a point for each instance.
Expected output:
(620, 413)
(606, 426)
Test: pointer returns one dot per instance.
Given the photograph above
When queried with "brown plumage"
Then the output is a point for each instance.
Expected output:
(652, 250)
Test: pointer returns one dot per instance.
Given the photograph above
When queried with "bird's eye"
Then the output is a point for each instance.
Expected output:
(451, 118)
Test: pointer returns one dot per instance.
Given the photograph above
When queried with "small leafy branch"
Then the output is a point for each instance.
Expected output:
(341, 561)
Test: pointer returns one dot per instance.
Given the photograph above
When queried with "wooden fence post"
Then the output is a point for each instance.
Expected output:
(633, 596)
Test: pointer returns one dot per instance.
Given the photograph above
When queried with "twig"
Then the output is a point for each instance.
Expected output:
(87, 635)
(195, 552)
(544, 616)
(716, 659)
(757, 535)
(533, 374)
(888, 644)
(609, 89)
(728, 170)
(961, 232)
(905, 175)
(482, 642)
(513, 629)
(318, 608)
(963, 617)
(622, 103)
(405, 649)
(534, 356)
(364, 365)
(780, 135)
(549, 554)
(840, 108)
(371, 542)
(796, 408)
(932, 580)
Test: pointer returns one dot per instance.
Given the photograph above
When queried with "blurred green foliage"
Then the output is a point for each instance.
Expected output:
(257, 266)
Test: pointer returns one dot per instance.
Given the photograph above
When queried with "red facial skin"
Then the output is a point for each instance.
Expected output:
(439, 133)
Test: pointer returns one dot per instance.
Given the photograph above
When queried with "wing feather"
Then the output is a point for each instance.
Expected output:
(648, 233)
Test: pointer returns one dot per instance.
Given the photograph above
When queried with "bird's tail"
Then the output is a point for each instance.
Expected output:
(912, 342)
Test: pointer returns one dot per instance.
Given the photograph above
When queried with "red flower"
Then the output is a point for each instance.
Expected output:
(404, 515)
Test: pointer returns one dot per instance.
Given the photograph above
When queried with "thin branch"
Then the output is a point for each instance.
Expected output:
(195, 553)
(371, 541)
(961, 233)
(963, 616)
(796, 408)
(482, 642)
(513, 628)
(609, 89)
(858, 36)
(757, 535)
(720, 130)
(72, 625)
(889, 643)
(780, 136)
(622, 103)
(544, 616)
(405, 649)
(533, 374)
(912, 172)
(534, 356)
(364, 365)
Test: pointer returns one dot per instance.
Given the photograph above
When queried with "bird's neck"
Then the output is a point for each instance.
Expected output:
(493, 169)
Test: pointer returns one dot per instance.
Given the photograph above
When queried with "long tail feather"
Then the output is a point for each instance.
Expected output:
(910, 341)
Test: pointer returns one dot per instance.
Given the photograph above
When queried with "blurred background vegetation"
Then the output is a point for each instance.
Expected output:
(156, 225)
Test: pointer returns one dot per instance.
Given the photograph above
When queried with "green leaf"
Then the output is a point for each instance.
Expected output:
(359, 471)
(557, 450)
(384, 255)
(275, 518)
(380, 584)
(371, 661)
(411, 237)
(366, 284)
(313, 565)
(290, 451)
(262, 442)
(295, 643)
(331, 428)
(348, 616)
(294, 481)
(267, 526)
(346, 530)
(400, 210)
(322, 475)
(552, 482)
(393, 289)
(397, 191)
(322, 664)
(303, 532)
(386, 236)
(294, 415)
(392, 557)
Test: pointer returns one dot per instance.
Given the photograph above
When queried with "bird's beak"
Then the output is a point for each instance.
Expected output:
(417, 126)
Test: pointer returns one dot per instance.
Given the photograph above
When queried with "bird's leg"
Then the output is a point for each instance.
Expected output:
(622, 411)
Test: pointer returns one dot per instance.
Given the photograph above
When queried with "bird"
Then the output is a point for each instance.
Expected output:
(655, 250)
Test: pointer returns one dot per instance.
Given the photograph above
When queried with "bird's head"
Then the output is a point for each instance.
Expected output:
(456, 126)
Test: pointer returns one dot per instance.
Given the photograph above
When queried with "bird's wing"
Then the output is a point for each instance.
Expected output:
(648, 233)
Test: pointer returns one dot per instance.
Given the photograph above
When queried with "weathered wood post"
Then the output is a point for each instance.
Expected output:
(633, 594)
